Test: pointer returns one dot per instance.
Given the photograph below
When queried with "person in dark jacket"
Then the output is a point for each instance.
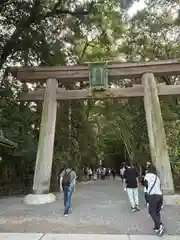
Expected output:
(131, 183)
(113, 171)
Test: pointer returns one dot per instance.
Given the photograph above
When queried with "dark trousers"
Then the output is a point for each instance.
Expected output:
(146, 197)
(155, 204)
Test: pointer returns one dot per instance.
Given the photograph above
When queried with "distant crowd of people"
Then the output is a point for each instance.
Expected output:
(99, 173)
(151, 182)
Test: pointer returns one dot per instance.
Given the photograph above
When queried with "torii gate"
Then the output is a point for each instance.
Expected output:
(147, 71)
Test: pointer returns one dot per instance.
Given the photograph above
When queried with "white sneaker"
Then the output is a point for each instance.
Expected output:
(161, 231)
(137, 208)
(65, 215)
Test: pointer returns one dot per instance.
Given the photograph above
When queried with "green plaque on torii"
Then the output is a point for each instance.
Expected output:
(98, 76)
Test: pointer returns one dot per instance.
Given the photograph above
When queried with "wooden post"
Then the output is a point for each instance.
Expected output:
(42, 176)
(156, 132)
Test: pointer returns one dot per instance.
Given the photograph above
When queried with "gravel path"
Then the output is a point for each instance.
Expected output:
(98, 207)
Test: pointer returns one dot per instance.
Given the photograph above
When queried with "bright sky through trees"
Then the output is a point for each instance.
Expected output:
(137, 6)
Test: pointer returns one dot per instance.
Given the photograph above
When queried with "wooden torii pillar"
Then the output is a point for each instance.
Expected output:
(42, 175)
(149, 90)
(156, 133)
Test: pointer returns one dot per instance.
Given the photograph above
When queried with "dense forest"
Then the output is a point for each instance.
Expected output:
(64, 32)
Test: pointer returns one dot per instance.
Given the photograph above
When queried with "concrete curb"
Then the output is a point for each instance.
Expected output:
(48, 236)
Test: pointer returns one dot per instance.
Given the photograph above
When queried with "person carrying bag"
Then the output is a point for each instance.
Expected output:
(67, 186)
(155, 198)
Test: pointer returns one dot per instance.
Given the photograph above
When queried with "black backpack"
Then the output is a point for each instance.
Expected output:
(66, 182)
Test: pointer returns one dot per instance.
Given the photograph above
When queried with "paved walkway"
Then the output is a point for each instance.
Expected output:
(99, 207)
(41, 236)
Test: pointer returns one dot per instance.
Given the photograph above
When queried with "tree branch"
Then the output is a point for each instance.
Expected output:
(24, 24)
(35, 17)
(77, 12)
(82, 84)
(80, 11)
(3, 2)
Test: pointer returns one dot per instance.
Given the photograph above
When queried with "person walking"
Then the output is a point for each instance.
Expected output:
(113, 171)
(67, 186)
(145, 189)
(90, 173)
(147, 166)
(103, 173)
(122, 170)
(98, 173)
(155, 198)
(131, 183)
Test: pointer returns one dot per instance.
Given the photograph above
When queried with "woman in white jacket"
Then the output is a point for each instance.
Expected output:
(155, 198)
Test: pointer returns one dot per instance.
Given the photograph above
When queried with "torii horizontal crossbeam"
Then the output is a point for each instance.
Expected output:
(123, 93)
(81, 72)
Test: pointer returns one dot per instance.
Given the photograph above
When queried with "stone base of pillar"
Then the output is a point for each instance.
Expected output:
(173, 199)
(37, 199)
